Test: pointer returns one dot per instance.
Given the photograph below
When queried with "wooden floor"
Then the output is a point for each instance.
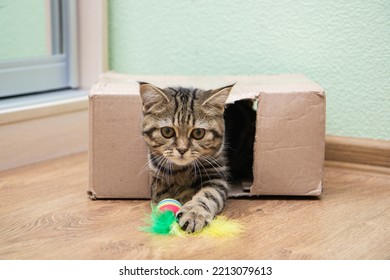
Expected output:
(45, 213)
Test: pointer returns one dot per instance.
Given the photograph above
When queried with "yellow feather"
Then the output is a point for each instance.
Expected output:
(220, 227)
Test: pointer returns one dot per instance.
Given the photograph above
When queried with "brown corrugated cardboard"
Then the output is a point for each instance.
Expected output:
(289, 142)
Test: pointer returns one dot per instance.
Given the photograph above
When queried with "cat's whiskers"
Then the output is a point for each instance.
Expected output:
(205, 170)
(146, 167)
(137, 139)
(197, 166)
(160, 163)
(210, 161)
(225, 175)
(164, 162)
(195, 155)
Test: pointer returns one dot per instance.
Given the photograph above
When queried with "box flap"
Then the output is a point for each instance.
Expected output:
(246, 87)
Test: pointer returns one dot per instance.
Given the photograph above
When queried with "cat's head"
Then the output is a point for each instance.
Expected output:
(182, 125)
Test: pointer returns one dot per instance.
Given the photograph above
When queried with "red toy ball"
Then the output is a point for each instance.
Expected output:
(169, 204)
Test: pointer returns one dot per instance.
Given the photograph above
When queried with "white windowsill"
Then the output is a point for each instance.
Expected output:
(35, 106)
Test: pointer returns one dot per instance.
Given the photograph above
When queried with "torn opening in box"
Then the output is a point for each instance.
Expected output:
(240, 130)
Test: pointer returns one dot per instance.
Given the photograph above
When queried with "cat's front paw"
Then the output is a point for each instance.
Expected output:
(193, 217)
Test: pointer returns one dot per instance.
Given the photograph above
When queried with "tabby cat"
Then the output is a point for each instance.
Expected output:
(184, 131)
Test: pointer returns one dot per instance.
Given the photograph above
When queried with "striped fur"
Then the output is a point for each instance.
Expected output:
(184, 130)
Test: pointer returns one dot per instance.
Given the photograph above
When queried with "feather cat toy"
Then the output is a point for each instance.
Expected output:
(163, 222)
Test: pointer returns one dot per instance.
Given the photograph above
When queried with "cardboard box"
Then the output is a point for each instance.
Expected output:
(288, 148)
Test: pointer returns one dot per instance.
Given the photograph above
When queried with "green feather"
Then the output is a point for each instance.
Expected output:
(160, 222)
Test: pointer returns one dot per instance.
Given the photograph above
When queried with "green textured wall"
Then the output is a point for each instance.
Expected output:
(342, 45)
(22, 29)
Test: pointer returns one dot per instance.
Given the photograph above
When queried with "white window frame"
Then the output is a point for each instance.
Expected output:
(59, 118)
(56, 71)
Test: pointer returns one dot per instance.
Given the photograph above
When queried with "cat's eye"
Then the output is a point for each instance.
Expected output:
(167, 132)
(198, 133)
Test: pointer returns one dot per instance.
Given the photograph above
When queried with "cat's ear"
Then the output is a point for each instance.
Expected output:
(151, 95)
(216, 98)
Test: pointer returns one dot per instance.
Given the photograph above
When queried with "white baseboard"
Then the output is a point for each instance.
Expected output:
(36, 140)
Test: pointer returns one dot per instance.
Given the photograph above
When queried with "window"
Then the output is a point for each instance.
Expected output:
(38, 50)
(54, 122)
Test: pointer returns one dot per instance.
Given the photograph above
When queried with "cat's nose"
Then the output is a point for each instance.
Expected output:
(182, 151)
